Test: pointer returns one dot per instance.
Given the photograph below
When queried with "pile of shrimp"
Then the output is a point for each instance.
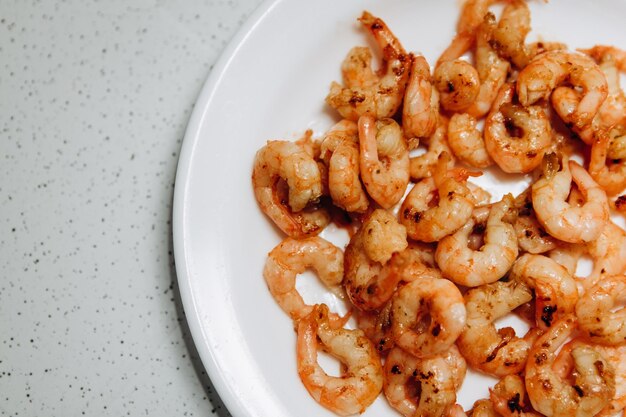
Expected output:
(432, 262)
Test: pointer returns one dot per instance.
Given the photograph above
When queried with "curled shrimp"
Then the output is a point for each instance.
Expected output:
(574, 224)
(496, 352)
(491, 261)
(551, 69)
(292, 257)
(509, 36)
(516, 137)
(616, 357)
(423, 165)
(362, 380)
(492, 70)
(434, 375)
(366, 282)
(551, 393)
(458, 84)
(508, 397)
(466, 141)
(596, 313)
(289, 162)
(378, 93)
(556, 292)
(600, 52)
(340, 152)
(531, 236)
(384, 160)
(608, 252)
(609, 174)
(437, 206)
(420, 112)
(376, 324)
(440, 299)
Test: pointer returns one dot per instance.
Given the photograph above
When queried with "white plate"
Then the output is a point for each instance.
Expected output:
(270, 83)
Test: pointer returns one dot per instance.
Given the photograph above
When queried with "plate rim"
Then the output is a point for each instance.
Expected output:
(191, 137)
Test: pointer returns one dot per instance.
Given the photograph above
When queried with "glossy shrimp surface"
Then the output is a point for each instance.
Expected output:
(378, 93)
(362, 380)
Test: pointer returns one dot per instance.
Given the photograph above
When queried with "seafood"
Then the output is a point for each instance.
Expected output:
(384, 160)
(428, 220)
(596, 313)
(378, 93)
(531, 236)
(466, 141)
(439, 298)
(551, 393)
(289, 162)
(420, 112)
(574, 224)
(458, 84)
(362, 380)
(516, 137)
(496, 352)
(423, 165)
(292, 257)
(549, 70)
(489, 263)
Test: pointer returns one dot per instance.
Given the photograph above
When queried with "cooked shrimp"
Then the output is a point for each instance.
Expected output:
(608, 252)
(438, 298)
(516, 137)
(481, 408)
(481, 196)
(616, 357)
(567, 255)
(423, 165)
(547, 71)
(609, 174)
(508, 397)
(287, 161)
(472, 15)
(496, 352)
(377, 93)
(531, 236)
(574, 224)
(384, 160)
(468, 267)
(373, 245)
(600, 52)
(359, 384)
(550, 393)
(617, 144)
(434, 376)
(458, 84)
(596, 313)
(421, 103)
(437, 206)
(509, 36)
(492, 70)
(292, 257)
(556, 292)
(537, 48)
(340, 151)
(377, 327)
(467, 142)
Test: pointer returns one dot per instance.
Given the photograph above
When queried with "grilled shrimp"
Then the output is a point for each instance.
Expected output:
(384, 160)
(465, 266)
(423, 165)
(367, 283)
(289, 162)
(434, 375)
(340, 151)
(466, 141)
(362, 380)
(531, 236)
(440, 299)
(429, 220)
(556, 292)
(596, 313)
(516, 137)
(551, 393)
(378, 93)
(420, 112)
(496, 352)
(292, 257)
(551, 69)
(458, 84)
(574, 224)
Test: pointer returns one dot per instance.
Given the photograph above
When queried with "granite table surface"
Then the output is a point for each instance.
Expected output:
(94, 100)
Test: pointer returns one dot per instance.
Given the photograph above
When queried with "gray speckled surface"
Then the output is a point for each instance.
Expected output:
(94, 100)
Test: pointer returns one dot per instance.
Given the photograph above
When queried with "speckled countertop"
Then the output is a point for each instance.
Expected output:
(94, 100)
